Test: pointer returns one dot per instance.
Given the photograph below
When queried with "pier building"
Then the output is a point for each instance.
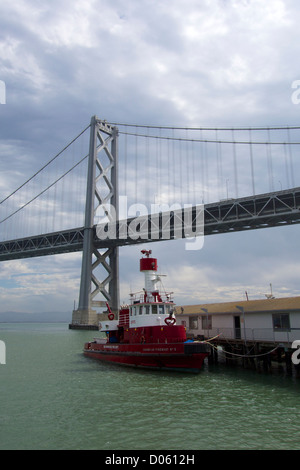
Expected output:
(257, 332)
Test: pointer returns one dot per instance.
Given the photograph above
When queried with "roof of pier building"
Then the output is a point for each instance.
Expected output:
(283, 304)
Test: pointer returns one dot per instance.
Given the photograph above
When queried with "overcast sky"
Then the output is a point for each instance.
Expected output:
(178, 63)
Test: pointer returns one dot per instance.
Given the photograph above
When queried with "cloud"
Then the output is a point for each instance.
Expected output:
(40, 285)
(164, 55)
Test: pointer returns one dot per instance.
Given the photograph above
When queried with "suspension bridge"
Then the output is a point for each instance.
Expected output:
(117, 184)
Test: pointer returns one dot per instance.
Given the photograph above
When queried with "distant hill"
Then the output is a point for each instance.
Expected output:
(45, 317)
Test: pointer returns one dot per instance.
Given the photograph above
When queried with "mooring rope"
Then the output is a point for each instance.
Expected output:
(250, 355)
(243, 355)
(208, 341)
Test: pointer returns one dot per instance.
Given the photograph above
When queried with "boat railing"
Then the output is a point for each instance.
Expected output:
(142, 298)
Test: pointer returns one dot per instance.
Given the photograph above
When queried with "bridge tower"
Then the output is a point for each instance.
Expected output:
(102, 189)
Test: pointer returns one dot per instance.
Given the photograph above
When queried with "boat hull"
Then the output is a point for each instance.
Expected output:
(184, 357)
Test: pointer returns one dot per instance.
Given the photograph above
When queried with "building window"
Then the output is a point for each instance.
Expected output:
(206, 322)
(281, 322)
(193, 323)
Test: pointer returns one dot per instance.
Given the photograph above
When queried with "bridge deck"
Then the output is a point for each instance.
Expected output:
(262, 211)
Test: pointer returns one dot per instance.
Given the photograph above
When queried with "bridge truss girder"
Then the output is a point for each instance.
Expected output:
(276, 209)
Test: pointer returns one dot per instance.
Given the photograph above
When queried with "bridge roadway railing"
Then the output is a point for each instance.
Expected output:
(274, 209)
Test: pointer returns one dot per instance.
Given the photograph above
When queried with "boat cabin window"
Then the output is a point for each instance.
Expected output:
(161, 309)
(132, 311)
(141, 310)
(154, 308)
(147, 309)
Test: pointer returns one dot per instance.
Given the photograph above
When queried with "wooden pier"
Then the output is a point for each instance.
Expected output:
(262, 356)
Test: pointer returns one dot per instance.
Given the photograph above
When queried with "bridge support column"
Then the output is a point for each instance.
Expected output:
(102, 189)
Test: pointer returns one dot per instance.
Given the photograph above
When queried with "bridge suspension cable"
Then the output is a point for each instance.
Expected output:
(43, 167)
(56, 202)
(211, 141)
(207, 128)
(41, 192)
(214, 163)
(158, 165)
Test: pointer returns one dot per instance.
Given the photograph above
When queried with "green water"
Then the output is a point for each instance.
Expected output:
(52, 397)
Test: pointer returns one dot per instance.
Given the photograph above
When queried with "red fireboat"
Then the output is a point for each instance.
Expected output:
(145, 334)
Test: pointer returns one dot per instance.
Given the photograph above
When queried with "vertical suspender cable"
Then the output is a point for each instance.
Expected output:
(136, 167)
(147, 172)
(125, 163)
(168, 173)
(206, 161)
(174, 166)
(286, 164)
(202, 167)
(270, 163)
(235, 165)
(158, 170)
(180, 172)
(194, 198)
(291, 159)
(187, 160)
(219, 182)
(162, 164)
(221, 165)
(251, 162)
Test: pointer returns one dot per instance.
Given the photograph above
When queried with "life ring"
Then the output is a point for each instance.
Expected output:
(111, 316)
(170, 321)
